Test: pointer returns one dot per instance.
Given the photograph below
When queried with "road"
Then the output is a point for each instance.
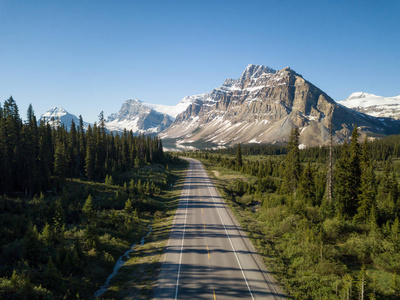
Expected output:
(208, 255)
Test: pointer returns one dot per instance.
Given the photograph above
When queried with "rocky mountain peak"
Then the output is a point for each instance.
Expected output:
(139, 118)
(263, 106)
(58, 115)
(254, 71)
(55, 111)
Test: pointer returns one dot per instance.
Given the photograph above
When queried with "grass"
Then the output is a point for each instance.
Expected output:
(137, 279)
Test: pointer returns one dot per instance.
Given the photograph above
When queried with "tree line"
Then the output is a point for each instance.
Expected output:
(32, 154)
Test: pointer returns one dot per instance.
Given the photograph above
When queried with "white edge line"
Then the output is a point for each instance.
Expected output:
(230, 241)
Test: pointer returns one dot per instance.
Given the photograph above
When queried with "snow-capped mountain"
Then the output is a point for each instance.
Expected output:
(262, 106)
(58, 115)
(139, 118)
(374, 105)
(174, 110)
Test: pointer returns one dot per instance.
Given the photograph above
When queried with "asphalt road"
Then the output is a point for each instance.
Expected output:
(208, 255)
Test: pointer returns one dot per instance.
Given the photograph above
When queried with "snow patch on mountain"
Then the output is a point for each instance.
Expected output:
(263, 105)
(173, 110)
(373, 105)
(59, 116)
(136, 116)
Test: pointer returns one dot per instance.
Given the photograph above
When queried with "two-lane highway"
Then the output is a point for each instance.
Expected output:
(208, 255)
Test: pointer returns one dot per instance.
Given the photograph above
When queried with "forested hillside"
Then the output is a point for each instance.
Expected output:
(31, 154)
(326, 220)
(72, 202)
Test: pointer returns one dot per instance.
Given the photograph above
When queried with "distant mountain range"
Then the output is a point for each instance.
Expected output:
(373, 105)
(262, 106)
(141, 118)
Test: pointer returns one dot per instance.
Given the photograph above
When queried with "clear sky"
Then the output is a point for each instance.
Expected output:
(88, 56)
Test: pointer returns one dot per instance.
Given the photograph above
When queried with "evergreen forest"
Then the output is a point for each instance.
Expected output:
(71, 202)
(324, 219)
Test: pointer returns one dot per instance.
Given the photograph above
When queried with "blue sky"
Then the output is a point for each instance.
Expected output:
(88, 56)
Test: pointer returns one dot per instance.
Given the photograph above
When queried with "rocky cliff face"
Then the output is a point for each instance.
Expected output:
(139, 118)
(263, 105)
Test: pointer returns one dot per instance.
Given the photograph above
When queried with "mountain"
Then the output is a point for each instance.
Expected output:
(373, 105)
(263, 106)
(175, 110)
(139, 118)
(58, 113)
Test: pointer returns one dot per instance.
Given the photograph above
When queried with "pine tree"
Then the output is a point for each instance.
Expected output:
(47, 235)
(90, 159)
(32, 245)
(367, 195)
(329, 177)
(342, 181)
(12, 125)
(128, 206)
(292, 163)
(59, 218)
(88, 208)
(362, 283)
(355, 173)
(81, 153)
(306, 190)
(60, 160)
(51, 275)
(239, 160)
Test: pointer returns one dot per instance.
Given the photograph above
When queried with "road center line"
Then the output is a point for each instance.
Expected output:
(183, 240)
(230, 241)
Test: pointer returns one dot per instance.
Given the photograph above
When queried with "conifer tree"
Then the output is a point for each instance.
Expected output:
(329, 177)
(32, 245)
(51, 275)
(239, 160)
(292, 163)
(362, 283)
(12, 125)
(88, 208)
(306, 189)
(59, 218)
(60, 160)
(81, 153)
(355, 173)
(342, 186)
(47, 235)
(129, 206)
(90, 159)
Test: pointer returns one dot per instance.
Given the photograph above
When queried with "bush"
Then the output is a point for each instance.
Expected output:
(332, 229)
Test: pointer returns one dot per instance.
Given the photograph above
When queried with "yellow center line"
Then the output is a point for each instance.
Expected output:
(204, 225)
(208, 252)
(215, 298)
(202, 211)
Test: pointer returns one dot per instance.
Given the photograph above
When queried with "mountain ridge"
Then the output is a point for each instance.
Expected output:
(262, 106)
(139, 118)
(373, 105)
(58, 114)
